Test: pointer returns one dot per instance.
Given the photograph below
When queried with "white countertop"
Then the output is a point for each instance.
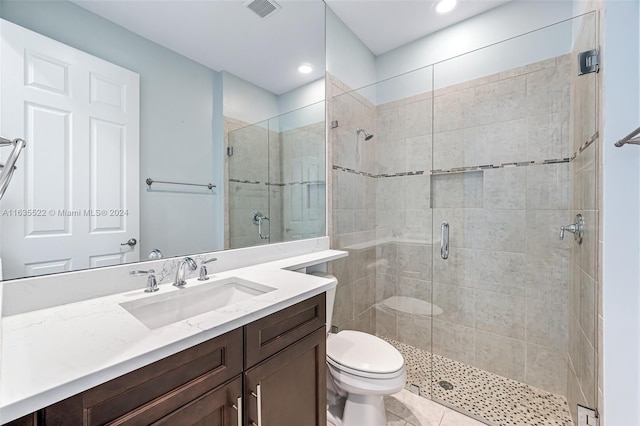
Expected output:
(51, 354)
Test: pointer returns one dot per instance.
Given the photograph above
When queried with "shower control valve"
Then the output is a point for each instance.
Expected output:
(577, 229)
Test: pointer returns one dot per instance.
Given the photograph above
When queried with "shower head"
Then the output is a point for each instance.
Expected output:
(367, 136)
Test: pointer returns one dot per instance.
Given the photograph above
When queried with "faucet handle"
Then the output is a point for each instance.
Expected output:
(576, 228)
(152, 283)
(203, 269)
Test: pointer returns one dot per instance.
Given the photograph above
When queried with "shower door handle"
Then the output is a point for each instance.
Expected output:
(444, 240)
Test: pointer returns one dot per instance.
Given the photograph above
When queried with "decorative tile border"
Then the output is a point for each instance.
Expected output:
(257, 182)
(584, 146)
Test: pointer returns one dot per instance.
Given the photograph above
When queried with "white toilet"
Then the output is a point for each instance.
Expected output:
(362, 369)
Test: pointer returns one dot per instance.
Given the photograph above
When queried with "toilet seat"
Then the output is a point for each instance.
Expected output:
(364, 355)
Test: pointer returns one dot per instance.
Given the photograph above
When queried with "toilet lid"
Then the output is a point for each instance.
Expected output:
(363, 352)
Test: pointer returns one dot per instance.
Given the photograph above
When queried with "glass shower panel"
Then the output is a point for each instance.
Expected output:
(381, 157)
(584, 279)
(504, 147)
(248, 190)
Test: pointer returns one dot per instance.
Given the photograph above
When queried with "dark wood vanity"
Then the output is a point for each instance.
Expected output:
(270, 372)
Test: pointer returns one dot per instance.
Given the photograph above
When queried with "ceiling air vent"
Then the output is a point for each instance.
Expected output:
(262, 8)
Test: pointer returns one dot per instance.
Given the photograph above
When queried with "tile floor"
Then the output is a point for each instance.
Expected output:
(495, 399)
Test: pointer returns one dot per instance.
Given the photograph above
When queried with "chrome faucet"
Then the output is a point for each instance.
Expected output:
(203, 269)
(180, 273)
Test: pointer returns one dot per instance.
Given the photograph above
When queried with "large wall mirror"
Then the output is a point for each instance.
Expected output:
(159, 128)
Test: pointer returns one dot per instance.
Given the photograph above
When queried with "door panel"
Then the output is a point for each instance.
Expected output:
(74, 198)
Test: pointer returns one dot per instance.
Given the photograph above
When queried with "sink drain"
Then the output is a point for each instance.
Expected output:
(445, 385)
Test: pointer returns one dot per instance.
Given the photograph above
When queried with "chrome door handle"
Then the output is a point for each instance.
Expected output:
(444, 240)
(132, 242)
(577, 229)
(238, 407)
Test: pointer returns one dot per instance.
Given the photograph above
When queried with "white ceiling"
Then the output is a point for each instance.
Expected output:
(385, 25)
(226, 36)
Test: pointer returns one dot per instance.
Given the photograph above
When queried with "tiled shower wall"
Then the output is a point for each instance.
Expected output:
(504, 289)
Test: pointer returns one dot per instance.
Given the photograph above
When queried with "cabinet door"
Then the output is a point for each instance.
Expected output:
(219, 407)
(290, 387)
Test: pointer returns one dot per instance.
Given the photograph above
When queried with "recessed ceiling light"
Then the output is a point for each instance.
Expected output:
(444, 6)
(305, 68)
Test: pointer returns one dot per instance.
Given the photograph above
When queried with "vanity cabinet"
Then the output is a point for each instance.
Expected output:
(285, 367)
(275, 364)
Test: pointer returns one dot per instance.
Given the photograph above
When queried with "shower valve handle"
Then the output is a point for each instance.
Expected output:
(577, 229)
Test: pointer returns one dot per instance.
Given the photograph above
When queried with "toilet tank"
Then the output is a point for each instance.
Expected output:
(331, 297)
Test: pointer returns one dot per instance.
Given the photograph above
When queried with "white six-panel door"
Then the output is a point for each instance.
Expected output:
(74, 198)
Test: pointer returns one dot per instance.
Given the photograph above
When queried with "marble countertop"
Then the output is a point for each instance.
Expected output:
(51, 354)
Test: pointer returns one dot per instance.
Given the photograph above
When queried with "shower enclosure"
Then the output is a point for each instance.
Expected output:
(451, 216)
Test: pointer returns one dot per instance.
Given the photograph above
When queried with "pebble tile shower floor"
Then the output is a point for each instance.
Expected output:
(486, 396)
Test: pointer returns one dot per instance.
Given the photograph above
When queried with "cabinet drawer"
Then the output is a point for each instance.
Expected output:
(30, 420)
(215, 408)
(163, 386)
(273, 333)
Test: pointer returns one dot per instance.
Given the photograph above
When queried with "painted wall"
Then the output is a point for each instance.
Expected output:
(621, 209)
(348, 59)
(247, 102)
(301, 97)
(176, 120)
(512, 19)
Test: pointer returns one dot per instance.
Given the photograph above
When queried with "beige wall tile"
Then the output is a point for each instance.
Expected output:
(505, 188)
(503, 100)
(499, 230)
(453, 341)
(547, 324)
(414, 260)
(546, 369)
(457, 190)
(499, 141)
(500, 355)
(414, 330)
(457, 303)
(500, 314)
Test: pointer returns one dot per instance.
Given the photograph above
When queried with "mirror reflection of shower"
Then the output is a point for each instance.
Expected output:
(367, 136)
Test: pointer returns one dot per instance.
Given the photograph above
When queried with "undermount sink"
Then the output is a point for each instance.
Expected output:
(164, 309)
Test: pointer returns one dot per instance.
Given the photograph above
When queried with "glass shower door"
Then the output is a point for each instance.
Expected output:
(506, 150)
(248, 190)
